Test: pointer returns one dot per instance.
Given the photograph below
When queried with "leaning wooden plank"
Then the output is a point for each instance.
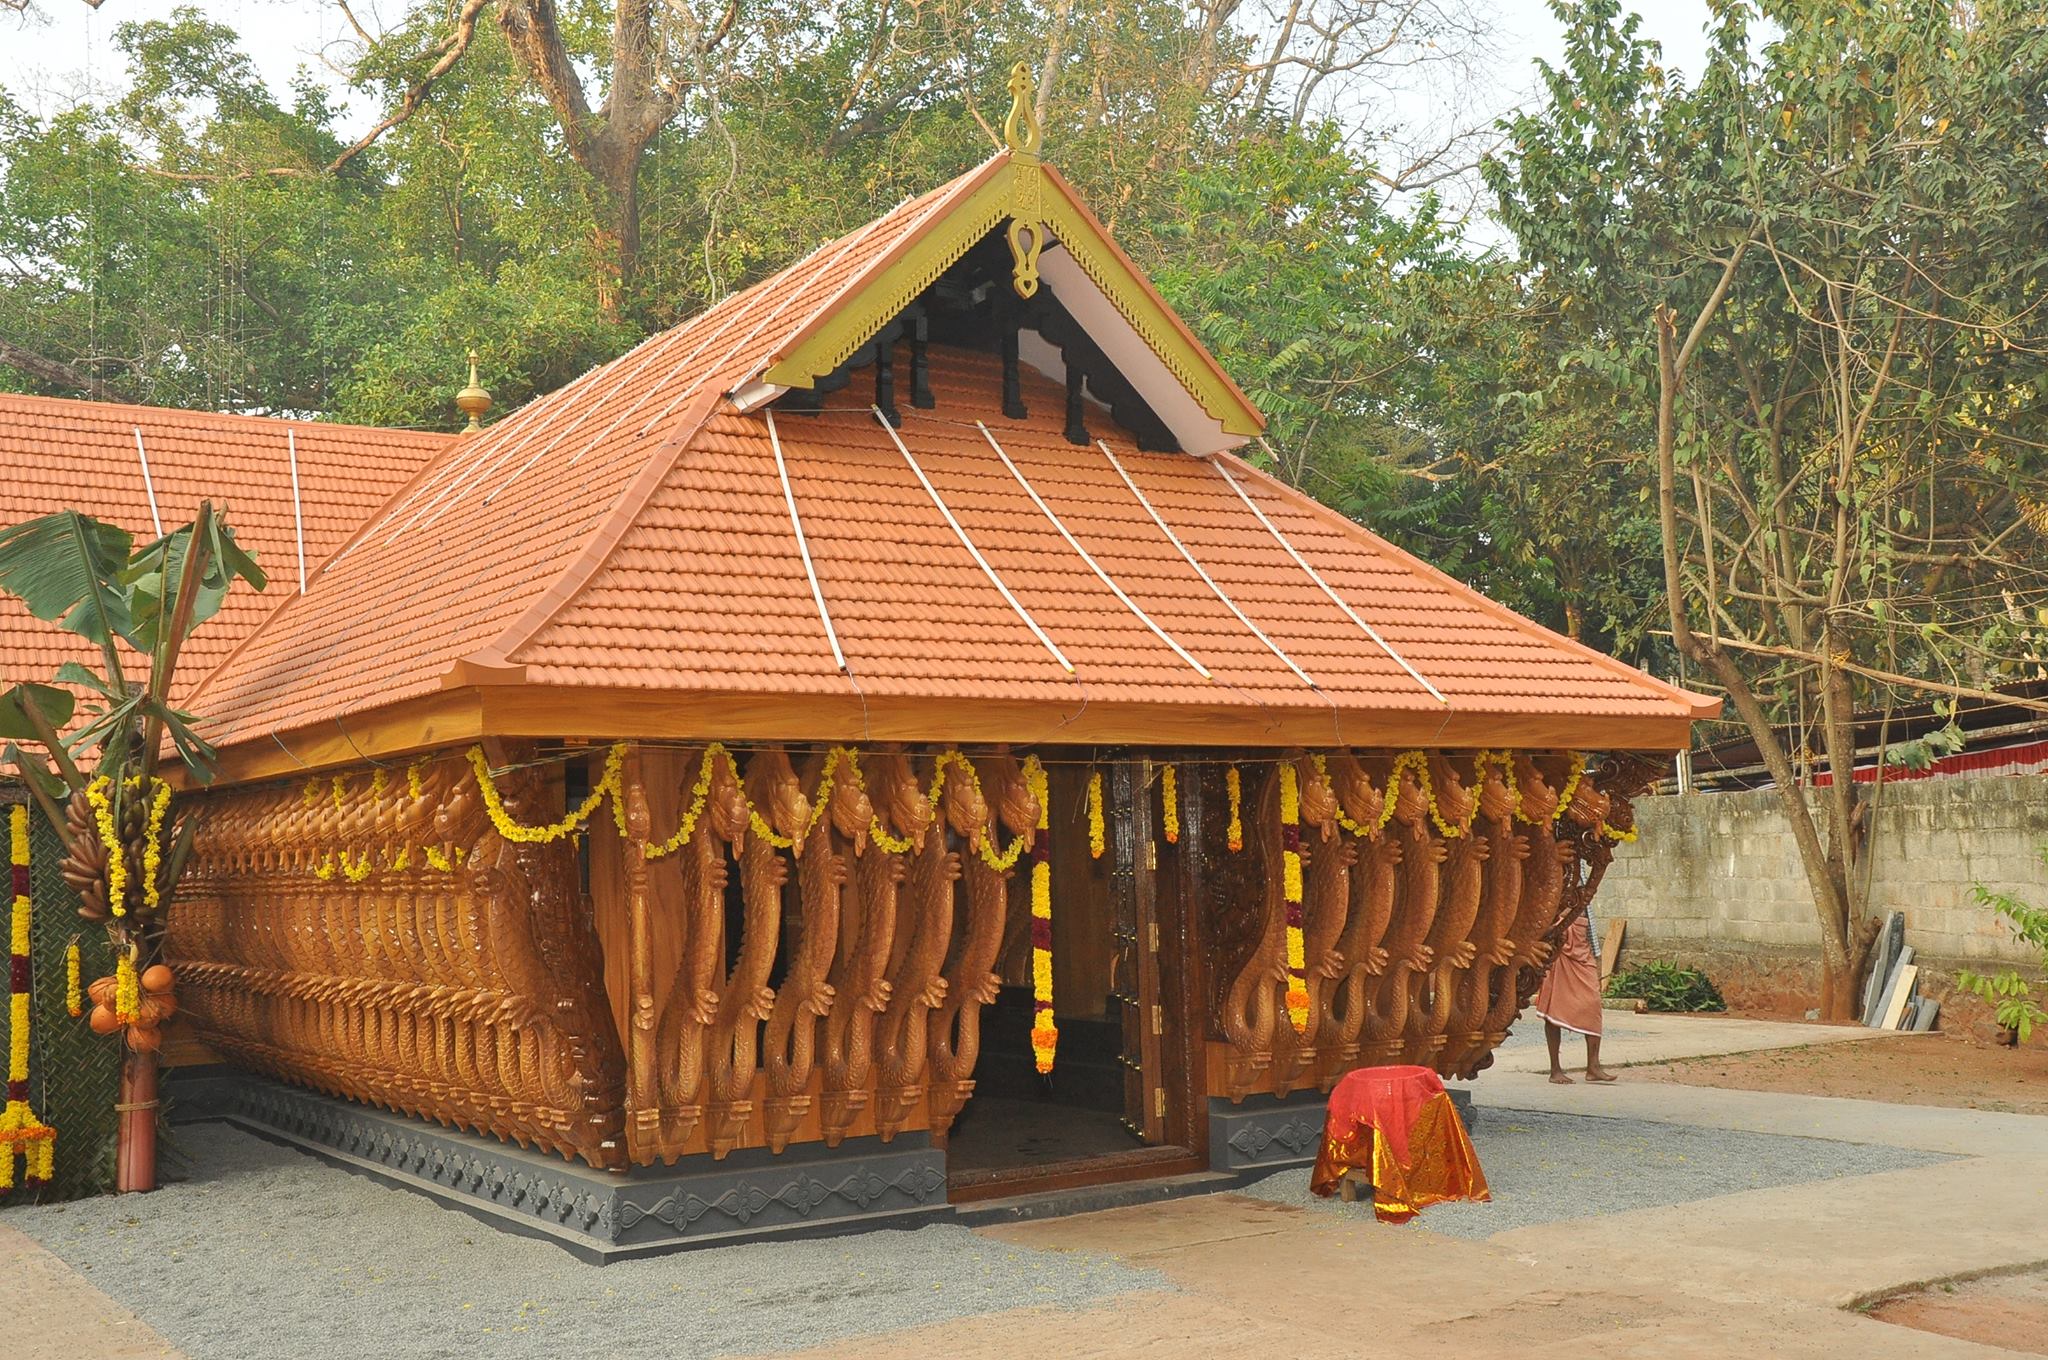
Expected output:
(1891, 986)
(1902, 992)
(1926, 1014)
(1610, 946)
(1889, 941)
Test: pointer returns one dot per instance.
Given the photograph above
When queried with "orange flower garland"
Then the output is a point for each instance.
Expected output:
(1045, 1034)
(1169, 793)
(1290, 882)
(20, 1131)
(74, 999)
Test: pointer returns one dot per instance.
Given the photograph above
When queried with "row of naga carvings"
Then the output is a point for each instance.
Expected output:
(1429, 910)
(802, 951)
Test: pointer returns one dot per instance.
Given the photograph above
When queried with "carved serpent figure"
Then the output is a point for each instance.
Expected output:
(1372, 910)
(1450, 934)
(1327, 861)
(1420, 853)
(772, 788)
(924, 932)
(971, 980)
(1255, 1003)
(693, 998)
(867, 932)
(1492, 930)
(822, 870)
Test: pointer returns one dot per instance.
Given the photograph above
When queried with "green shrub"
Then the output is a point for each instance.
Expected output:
(2007, 992)
(1667, 987)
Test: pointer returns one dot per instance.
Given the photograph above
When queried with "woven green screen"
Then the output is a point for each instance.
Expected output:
(74, 1074)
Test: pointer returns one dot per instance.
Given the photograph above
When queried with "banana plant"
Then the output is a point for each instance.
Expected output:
(103, 728)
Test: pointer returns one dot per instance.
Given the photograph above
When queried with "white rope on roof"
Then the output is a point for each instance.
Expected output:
(291, 448)
(148, 484)
(1207, 579)
(1317, 577)
(1089, 557)
(968, 544)
(803, 546)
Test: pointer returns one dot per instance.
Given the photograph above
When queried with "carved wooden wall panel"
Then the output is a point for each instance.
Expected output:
(309, 948)
(1424, 935)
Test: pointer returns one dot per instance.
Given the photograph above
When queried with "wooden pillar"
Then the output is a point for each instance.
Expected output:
(642, 1092)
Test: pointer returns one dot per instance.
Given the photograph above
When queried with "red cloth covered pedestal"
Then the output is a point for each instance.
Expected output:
(1398, 1125)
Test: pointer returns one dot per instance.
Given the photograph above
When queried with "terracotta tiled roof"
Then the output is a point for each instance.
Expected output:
(627, 536)
(62, 454)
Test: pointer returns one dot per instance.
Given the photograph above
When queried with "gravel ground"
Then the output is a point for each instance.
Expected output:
(1546, 1167)
(267, 1254)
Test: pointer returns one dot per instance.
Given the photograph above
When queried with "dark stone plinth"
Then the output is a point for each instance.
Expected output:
(1267, 1133)
(601, 1216)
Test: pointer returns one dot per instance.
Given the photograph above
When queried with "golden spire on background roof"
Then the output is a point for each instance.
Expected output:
(472, 400)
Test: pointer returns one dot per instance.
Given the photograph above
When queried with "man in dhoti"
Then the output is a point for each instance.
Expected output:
(1569, 998)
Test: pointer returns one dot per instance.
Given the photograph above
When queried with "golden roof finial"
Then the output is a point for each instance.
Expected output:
(472, 400)
(1021, 130)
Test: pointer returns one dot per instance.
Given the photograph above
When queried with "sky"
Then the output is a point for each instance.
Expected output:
(66, 48)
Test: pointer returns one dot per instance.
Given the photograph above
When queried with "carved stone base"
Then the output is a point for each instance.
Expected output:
(1268, 1133)
(598, 1216)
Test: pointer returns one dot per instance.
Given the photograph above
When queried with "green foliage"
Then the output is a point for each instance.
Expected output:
(74, 568)
(2010, 995)
(1667, 987)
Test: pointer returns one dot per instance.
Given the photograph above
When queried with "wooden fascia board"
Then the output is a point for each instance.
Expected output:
(398, 730)
(670, 715)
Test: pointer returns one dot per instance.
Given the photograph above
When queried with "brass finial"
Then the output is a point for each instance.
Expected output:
(472, 400)
(1021, 130)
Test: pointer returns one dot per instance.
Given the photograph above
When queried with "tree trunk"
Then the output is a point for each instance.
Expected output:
(135, 1143)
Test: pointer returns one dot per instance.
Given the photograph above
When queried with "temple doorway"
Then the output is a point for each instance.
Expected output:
(1116, 1105)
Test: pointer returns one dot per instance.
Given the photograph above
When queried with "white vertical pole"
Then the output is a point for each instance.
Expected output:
(147, 484)
(291, 444)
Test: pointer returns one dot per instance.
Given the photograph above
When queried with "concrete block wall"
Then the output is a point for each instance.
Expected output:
(1719, 871)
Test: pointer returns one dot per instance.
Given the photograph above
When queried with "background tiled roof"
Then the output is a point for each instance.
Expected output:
(57, 454)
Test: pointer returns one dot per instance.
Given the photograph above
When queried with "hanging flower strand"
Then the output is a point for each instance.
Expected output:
(1234, 781)
(1045, 1034)
(110, 840)
(1169, 796)
(494, 802)
(74, 999)
(1096, 836)
(1290, 889)
(21, 1133)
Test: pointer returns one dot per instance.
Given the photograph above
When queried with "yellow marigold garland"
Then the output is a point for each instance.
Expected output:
(1571, 787)
(1045, 1034)
(127, 988)
(412, 778)
(340, 792)
(494, 803)
(324, 870)
(153, 844)
(1097, 841)
(444, 860)
(1418, 761)
(110, 839)
(74, 998)
(359, 870)
(1290, 883)
(1169, 797)
(20, 1130)
(311, 793)
(1234, 782)
(1344, 818)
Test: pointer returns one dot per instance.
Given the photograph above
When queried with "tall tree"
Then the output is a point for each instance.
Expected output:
(1808, 289)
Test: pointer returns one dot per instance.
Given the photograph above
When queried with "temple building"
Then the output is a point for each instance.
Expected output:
(875, 750)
